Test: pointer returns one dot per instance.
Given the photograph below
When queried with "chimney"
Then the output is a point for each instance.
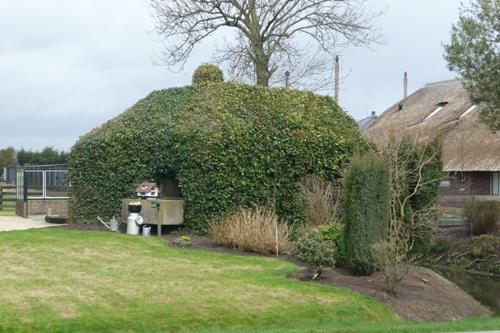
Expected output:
(374, 114)
(287, 79)
(337, 79)
(405, 86)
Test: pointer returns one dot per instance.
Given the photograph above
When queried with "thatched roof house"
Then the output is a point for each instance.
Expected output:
(471, 152)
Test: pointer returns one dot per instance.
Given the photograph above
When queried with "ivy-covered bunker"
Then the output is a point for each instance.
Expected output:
(226, 145)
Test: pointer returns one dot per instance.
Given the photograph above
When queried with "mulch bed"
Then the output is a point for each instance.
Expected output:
(424, 296)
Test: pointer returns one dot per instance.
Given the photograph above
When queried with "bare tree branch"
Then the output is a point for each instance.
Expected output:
(269, 36)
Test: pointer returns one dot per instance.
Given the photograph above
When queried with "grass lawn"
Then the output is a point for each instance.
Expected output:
(11, 211)
(7, 212)
(60, 280)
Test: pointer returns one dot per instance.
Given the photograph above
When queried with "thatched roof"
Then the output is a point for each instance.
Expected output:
(468, 145)
(365, 123)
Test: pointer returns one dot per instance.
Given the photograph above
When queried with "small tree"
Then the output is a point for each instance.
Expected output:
(415, 173)
(7, 158)
(366, 203)
(474, 53)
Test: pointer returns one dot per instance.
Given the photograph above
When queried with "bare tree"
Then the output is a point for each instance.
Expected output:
(408, 161)
(269, 36)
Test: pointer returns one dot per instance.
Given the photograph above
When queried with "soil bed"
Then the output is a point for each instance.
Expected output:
(424, 296)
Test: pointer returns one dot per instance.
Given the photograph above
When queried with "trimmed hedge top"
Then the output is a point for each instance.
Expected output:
(208, 73)
(228, 145)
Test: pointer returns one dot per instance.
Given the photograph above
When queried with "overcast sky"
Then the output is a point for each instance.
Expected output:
(68, 66)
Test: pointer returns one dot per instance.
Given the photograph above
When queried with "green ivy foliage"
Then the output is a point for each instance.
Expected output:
(207, 73)
(230, 146)
(366, 207)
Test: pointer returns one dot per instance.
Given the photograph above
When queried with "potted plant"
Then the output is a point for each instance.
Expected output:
(134, 207)
(183, 241)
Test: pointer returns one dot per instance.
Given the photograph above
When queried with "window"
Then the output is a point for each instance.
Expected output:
(56, 183)
(495, 183)
(439, 107)
(469, 110)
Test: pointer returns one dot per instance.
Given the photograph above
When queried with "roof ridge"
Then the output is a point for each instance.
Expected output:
(439, 83)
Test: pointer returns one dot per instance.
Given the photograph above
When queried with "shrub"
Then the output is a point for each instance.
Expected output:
(391, 258)
(228, 145)
(256, 230)
(319, 247)
(207, 73)
(320, 200)
(416, 171)
(366, 200)
(482, 217)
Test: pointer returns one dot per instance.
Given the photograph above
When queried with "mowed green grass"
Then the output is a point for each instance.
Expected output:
(59, 280)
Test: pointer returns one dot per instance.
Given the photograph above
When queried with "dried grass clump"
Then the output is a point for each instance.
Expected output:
(321, 199)
(256, 230)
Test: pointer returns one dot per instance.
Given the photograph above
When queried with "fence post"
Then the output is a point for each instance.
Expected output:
(25, 195)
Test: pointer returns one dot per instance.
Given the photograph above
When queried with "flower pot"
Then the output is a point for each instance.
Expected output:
(134, 208)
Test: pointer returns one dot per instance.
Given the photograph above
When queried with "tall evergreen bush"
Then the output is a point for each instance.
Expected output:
(366, 206)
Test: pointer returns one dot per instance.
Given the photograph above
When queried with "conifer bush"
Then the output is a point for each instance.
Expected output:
(366, 205)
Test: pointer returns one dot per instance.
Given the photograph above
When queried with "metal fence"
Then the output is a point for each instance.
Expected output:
(9, 175)
(42, 182)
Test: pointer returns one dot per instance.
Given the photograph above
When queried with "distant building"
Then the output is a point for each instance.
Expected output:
(365, 123)
(471, 152)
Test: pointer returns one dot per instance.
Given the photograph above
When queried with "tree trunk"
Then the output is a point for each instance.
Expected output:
(261, 61)
(259, 56)
(263, 74)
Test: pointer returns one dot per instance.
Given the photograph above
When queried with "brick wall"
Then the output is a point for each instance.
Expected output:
(42, 207)
(470, 183)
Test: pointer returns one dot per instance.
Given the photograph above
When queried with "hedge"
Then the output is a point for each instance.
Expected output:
(366, 211)
(228, 145)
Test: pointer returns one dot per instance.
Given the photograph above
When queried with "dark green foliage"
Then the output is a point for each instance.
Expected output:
(411, 156)
(230, 146)
(366, 200)
(482, 217)
(319, 247)
(474, 54)
(7, 158)
(207, 73)
(47, 156)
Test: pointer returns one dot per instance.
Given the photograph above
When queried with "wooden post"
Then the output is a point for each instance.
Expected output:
(277, 250)
(337, 79)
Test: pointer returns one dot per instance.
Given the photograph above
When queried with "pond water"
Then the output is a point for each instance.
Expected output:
(485, 289)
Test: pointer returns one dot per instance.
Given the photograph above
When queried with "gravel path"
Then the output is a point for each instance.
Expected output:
(9, 223)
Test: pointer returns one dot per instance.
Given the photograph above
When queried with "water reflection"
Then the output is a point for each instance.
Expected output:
(485, 289)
